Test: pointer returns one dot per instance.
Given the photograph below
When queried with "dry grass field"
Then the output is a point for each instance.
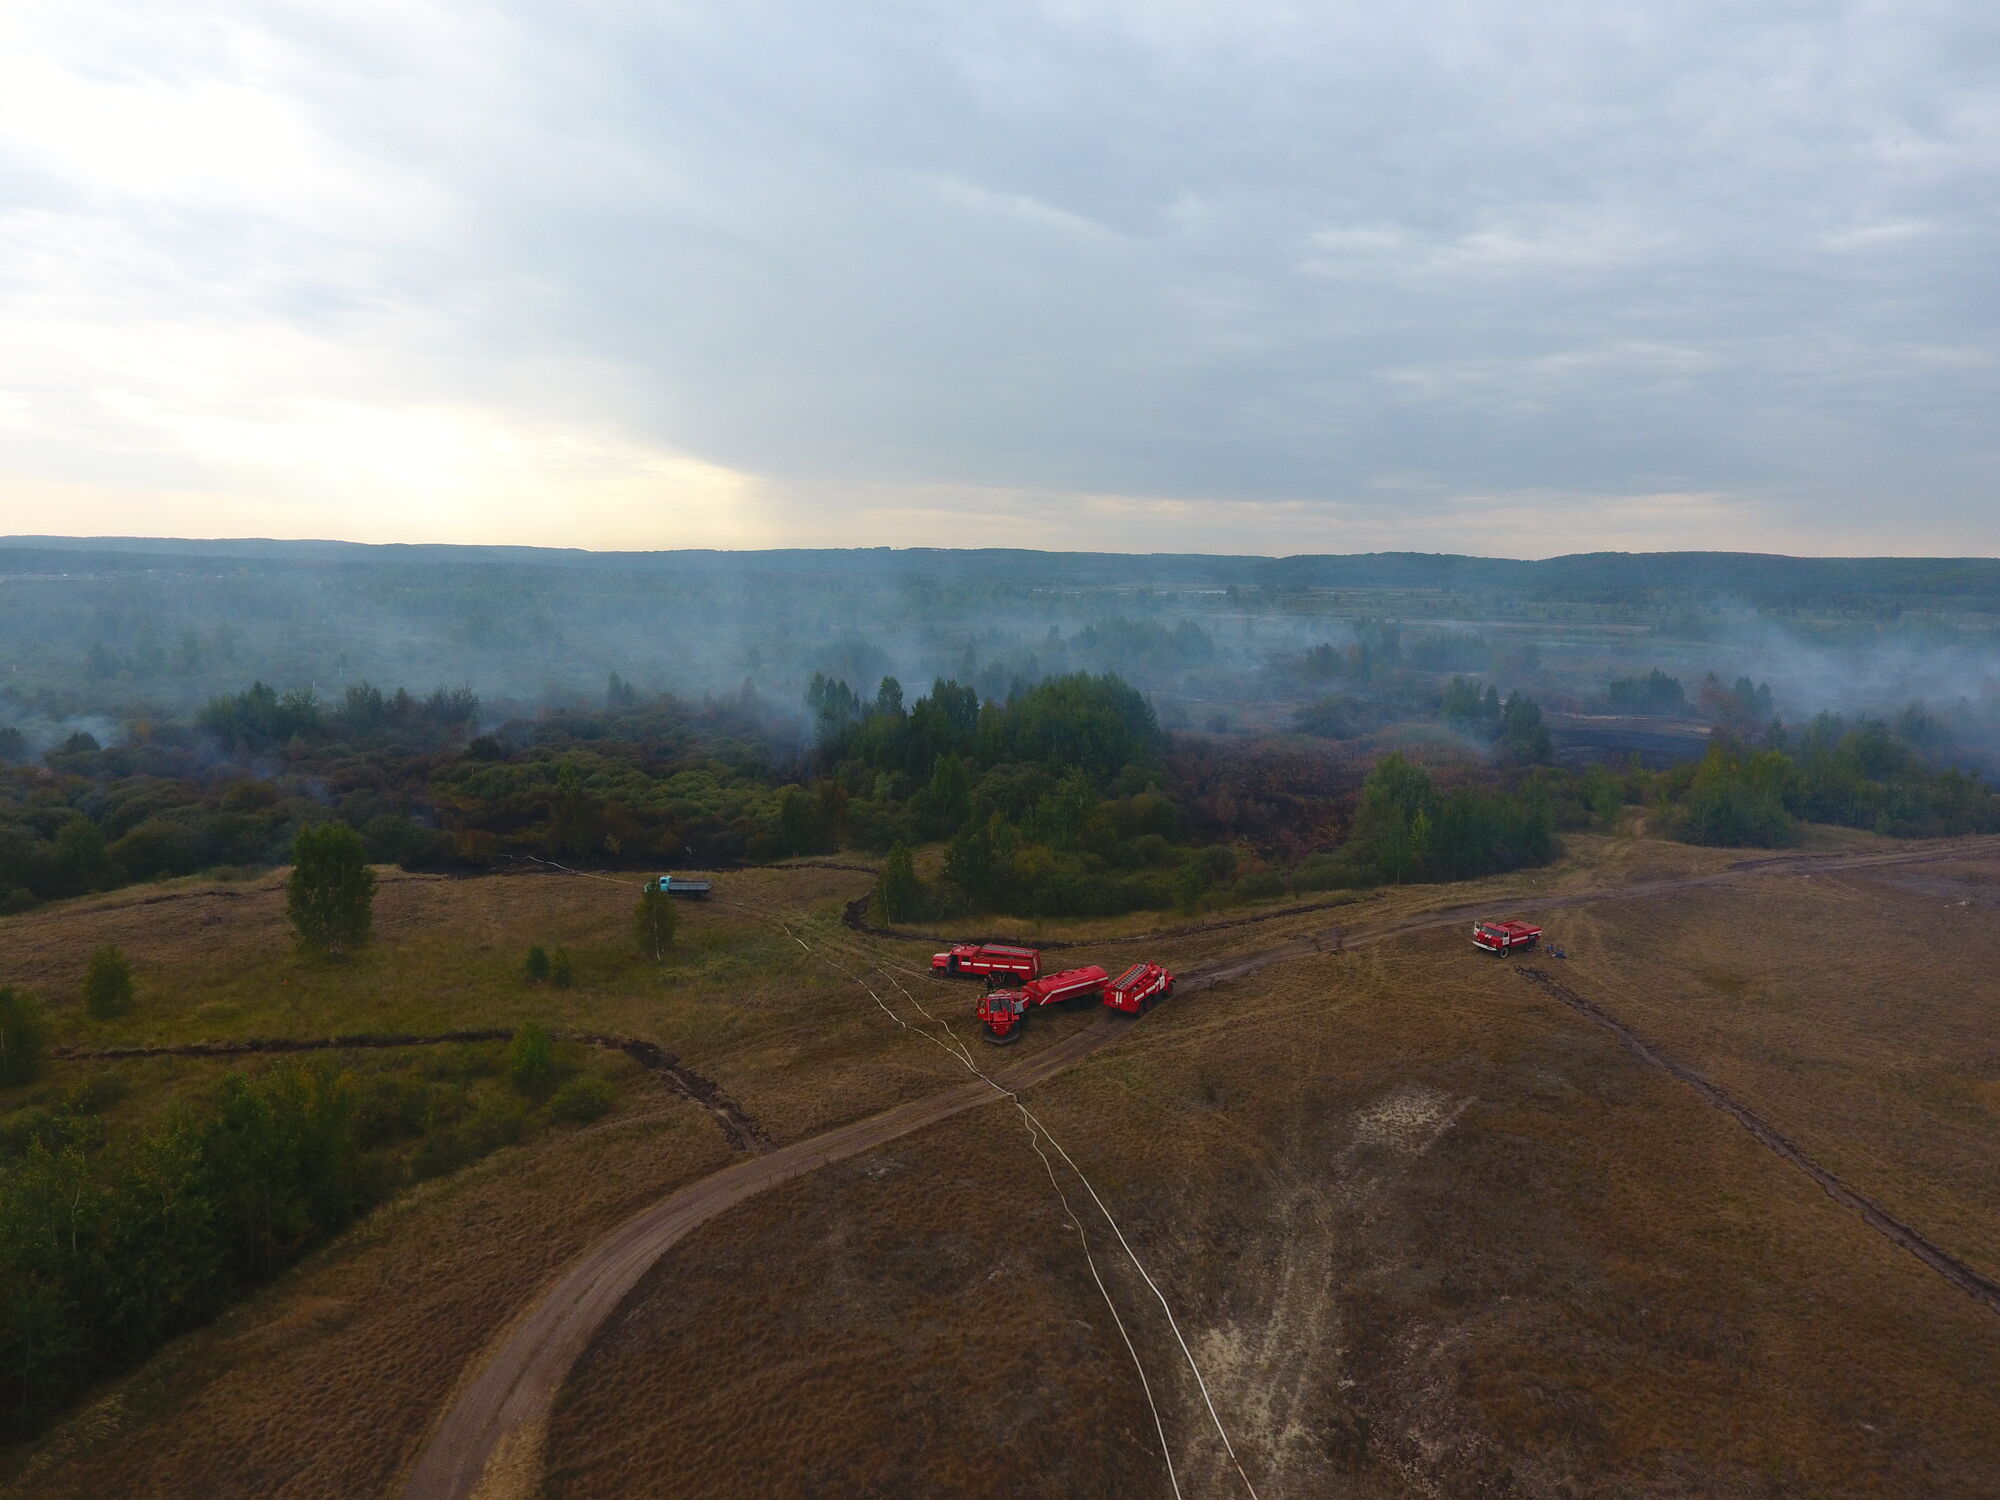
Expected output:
(1430, 1231)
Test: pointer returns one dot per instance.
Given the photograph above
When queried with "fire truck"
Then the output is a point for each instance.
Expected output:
(1505, 937)
(1004, 1013)
(988, 959)
(1138, 987)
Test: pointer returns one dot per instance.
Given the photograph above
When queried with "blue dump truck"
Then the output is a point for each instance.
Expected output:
(679, 885)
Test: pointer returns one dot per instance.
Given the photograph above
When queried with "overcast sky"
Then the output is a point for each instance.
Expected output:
(1496, 276)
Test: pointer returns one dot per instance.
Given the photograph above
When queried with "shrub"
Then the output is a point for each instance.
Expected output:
(92, 1094)
(497, 1122)
(561, 970)
(1190, 886)
(389, 1109)
(1262, 886)
(583, 1099)
(537, 967)
(107, 983)
(531, 1061)
(22, 1034)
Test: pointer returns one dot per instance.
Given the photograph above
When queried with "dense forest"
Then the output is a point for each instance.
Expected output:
(1063, 797)
(1098, 734)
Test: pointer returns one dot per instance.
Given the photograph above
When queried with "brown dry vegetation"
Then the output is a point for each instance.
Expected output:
(1431, 1232)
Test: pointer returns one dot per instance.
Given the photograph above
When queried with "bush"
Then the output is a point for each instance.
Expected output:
(561, 971)
(22, 1033)
(107, 983)
(390, 1109)
(531, 1061)
(537, 967)
(1265, 885)
(497, 1122)
(583, 1099)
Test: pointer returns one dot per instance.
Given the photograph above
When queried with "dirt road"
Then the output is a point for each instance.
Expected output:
(488, 1442)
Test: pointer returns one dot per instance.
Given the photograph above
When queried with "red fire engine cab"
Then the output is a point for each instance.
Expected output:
(1005, 1012)
(1138, 987)
(1505, 937)
(988, 958)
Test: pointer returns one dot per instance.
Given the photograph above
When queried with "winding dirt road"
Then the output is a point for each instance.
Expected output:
(488, 1442)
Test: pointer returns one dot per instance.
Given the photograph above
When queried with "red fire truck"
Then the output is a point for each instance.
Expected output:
(1505, 937)
(988, 958)
(1005, 1012)
(1138, 987)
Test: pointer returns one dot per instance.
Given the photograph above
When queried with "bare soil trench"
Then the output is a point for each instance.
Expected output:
(1947, 1265)
(498, 1417)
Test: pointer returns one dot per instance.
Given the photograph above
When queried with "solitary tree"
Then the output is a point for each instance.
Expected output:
(898, 891)
(538, 964)
(331, 895)
(653, 923)
(107, 983)
(21, 1035)
(561, 970)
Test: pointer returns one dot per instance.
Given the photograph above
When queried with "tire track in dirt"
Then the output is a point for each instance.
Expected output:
(1947, 1265)
(734, 1121)
(487, 1442)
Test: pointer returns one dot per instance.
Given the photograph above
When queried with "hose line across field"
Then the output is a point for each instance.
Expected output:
(954, 1046)
(948, 1041)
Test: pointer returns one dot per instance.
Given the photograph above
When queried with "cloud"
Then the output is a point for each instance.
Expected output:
(977, 271)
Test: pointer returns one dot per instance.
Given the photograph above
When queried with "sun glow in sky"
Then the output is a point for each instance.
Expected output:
(1469, 276)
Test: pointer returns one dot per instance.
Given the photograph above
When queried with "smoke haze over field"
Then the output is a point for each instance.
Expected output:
(1464, 275)
(102, 634)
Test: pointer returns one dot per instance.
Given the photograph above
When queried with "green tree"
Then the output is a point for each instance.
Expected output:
(22, 1033)
(537, 967)
(82, 860)
(531, 1061)
(654, 922)
(899, 893)
(331, 894)
(561, 970)
(971, 863)
(107, 983)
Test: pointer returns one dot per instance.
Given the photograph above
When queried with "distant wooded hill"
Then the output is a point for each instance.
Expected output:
(1758, 579)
